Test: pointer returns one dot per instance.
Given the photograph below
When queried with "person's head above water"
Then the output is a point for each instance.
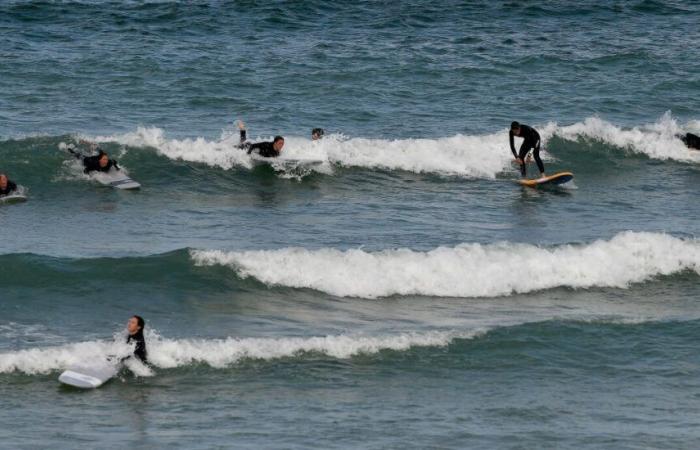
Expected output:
(135, 325)
(317, 133)
(278, 143)
(103, 159)
(515, 128)
(3, 181)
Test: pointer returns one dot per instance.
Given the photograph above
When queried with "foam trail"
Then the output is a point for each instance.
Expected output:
(467, 270)
(219, 353)
(658, 140)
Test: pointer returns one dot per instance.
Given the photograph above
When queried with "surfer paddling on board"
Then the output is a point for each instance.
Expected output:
(135, 329)
(690, 140)
(96, 163)
(265, 149)
(7, 187)
(531, 141)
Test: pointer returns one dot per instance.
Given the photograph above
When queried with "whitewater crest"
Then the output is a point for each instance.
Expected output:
(472, 156)
(467, 270)
(657, 140)
(219, 353)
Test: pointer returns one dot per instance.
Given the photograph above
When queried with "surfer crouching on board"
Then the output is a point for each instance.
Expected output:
(135, 329)
(531, 141)
(7, 187)
(264, 149)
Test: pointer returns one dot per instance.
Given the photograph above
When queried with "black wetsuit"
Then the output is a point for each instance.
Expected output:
(264, 149)
(691, 140)
(531, 140)
(140, 351)
(92, 164)
(11, 187)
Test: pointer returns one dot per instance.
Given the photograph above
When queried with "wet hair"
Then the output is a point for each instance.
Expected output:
(514, 126)
(277, 138)
(318, 131)
(140, 321)
(100, 153)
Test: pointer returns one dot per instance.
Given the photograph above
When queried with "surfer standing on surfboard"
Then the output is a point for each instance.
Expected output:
(264, 149)
(531, 141)
(7, 187)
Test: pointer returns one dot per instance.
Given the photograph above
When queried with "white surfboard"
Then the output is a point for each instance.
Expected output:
(89, 376)
(116, 179)
(287, 163)
(13, 198)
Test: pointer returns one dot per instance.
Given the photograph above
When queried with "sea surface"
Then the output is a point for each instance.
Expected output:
(405, 293)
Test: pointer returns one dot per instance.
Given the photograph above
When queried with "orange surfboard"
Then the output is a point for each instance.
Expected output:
(557, 178)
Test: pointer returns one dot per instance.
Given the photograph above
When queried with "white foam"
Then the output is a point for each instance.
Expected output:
(467, 270)
(170, 353)
(658, 140)
(47, 359)
(478, 156)
(473, 156)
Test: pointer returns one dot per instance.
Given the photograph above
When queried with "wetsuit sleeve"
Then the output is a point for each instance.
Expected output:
(11, 187)
(114, 163)
(512, 145)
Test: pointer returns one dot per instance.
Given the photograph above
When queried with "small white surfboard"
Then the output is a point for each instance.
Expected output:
(115, 179)
(287, 163)
(13, 198)
(89, 376)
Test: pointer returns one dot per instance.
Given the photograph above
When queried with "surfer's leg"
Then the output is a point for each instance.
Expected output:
(538, 160)
(524, 148)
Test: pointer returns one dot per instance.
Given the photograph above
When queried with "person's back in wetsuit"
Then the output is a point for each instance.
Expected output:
(140, 350)
(691, 140)
(92, 163)
(266, 149)
(9, 186)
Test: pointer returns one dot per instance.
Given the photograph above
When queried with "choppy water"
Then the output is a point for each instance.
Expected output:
(406, 293)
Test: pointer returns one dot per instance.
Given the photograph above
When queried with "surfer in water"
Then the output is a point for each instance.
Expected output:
(7, 187)
(317, 133)
(135, 327)
(531, 141)
(265, 149)
(96, 163)
(690, 140)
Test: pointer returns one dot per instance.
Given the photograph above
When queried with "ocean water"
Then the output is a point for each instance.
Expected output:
(406, 293)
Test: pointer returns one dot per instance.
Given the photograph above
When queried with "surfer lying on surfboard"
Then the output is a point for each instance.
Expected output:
(96, 163)
(531, 141)
(7, 187)
(265, 149)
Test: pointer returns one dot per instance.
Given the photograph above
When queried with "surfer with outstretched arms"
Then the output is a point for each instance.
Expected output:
(690, 140)
(7, 187)
(265, 149)
(96, 163)
(531, 141)
(135, 327)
